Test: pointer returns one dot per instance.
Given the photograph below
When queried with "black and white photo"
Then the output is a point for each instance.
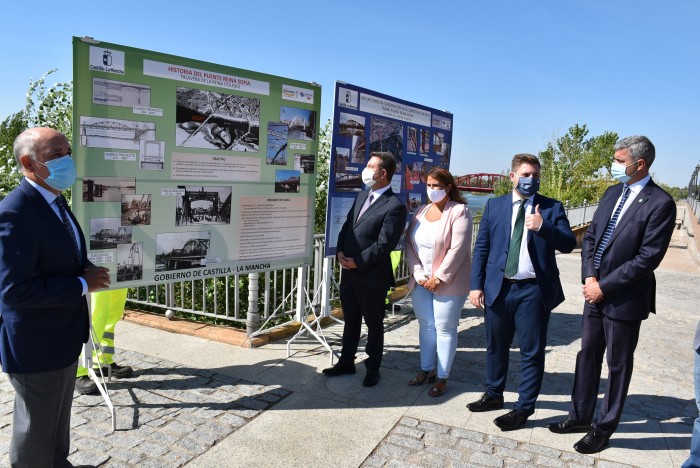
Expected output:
(136, 210)
(201, 205)
(107, 233)
(182, 250)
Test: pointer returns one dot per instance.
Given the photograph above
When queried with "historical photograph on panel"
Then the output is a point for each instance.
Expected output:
(277, 133)
(181, 250)
(152, 155)
(305, 163)
(101, 132)
(424, 141)
(106, 233)
(414, 202)
(107, 189)
(130, 262)
(287, 181)
(301, 122)
(351, 124)
(445, 159)
(203, 205)
(347, 178)
(412, 143)
(120, 93)
(439, 143)
(386, 136)
(136, 209)
(218, 121)
(359, 149)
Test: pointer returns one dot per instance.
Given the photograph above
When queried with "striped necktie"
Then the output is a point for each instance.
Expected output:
(68, 225)
(610, 228)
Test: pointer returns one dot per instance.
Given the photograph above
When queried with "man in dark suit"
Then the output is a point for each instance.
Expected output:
(44, 276)
(372, 230)
(626, 241)
(516, 279)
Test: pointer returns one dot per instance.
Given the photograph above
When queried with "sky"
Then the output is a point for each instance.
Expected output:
(516, 74)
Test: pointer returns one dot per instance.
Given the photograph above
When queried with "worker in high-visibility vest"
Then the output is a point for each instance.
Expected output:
(107, 310)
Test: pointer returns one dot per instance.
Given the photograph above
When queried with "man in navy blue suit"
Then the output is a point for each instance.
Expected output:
(626, 241)
(516, 279)
(371, 231)
(44, 276)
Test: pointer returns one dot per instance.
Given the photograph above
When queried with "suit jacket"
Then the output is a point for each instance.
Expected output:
(370, 239)
(43, 315)
(493, 242)
(452, 261)
(637, 246)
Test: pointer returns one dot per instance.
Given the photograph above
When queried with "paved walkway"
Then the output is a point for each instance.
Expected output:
(201, 403)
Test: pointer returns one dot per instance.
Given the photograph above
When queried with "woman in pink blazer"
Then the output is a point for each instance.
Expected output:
(438, 253)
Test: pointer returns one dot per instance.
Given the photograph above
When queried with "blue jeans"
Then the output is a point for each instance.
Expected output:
(438, 318)
(694, 460)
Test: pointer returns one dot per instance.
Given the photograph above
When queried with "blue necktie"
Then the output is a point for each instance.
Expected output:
(67, 224)
(610, 228)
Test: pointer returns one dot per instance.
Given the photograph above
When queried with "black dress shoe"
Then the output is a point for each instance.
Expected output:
(568, 426)
(486, 403)
(340, 368)
(371, 379)
(593, 442)
(511, 420)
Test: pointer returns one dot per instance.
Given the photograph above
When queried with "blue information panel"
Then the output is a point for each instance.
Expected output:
(366, 122)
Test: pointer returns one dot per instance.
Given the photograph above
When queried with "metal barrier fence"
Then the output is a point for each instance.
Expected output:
(694, 206)
(265, 300)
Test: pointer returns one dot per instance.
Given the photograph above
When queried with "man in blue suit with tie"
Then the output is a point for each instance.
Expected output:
(626, 241)
(371, 231)
(516, 279)
(44, 276)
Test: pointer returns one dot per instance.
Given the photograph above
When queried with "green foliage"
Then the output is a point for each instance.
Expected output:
(678, 193)
(10, 128)
(50, 106)
(503, 186)
(46, 106)
(322, 169)
(576, 168)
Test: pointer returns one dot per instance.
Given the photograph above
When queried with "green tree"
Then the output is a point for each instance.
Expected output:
(9, 129)
(322, 169)
(45, 106)
(576, 168)
(50, 106)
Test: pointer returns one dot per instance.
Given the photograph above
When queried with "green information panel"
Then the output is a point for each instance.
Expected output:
(189, 169)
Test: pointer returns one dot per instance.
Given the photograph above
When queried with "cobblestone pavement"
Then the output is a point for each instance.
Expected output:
(415, 443)
(167, 414)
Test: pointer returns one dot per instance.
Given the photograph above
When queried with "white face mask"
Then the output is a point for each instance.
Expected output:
(368, 177)
(436, 195)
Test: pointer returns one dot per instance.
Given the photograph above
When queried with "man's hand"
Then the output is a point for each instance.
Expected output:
(534, 221)
(346, 263)
(96, 278)
(591, 290)
(476, 297)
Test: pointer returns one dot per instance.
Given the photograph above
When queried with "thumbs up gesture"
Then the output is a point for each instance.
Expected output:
(533, 221)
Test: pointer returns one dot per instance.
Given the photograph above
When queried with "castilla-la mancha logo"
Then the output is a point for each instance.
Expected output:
(106, 60)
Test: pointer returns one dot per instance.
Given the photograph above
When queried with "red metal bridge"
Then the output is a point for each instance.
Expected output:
(484, 183)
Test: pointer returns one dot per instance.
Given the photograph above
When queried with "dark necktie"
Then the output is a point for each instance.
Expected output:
(67, 224)
(607, 234)
(515, 241)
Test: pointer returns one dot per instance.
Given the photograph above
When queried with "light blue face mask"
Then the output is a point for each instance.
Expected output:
(619, 172)
(61, 172)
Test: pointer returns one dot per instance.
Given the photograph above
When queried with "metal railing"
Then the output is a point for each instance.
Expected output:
(270, 298)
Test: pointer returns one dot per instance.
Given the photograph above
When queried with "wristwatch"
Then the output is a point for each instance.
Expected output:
(437, 280)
